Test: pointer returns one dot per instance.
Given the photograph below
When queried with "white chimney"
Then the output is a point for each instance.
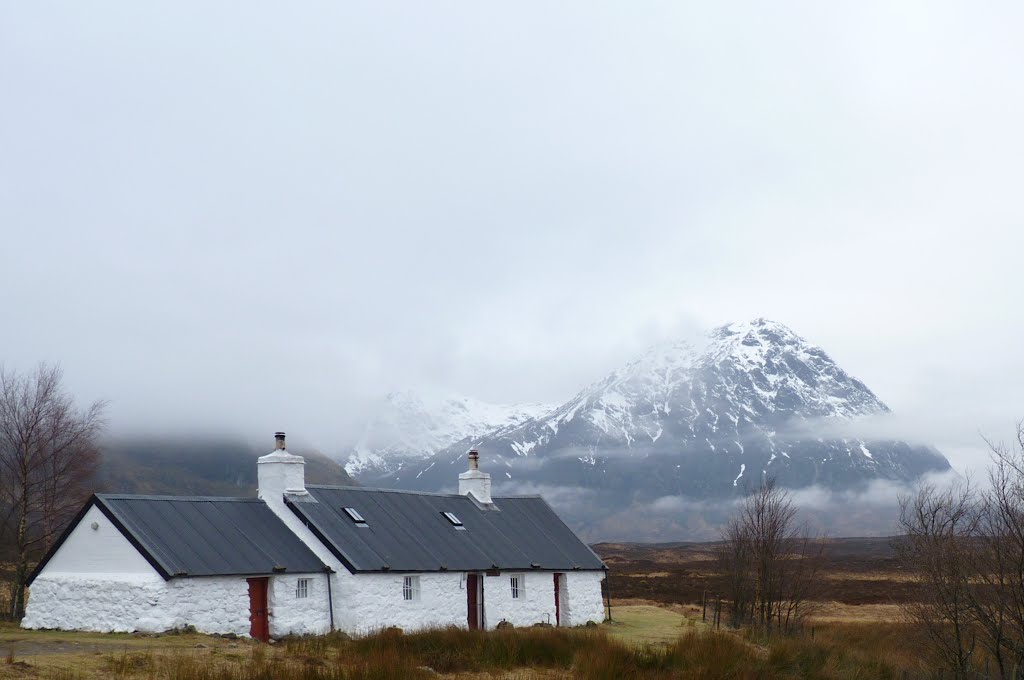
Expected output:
(475, 482)
(280, 473)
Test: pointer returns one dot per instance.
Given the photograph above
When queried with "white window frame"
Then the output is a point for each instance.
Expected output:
(302, 588)
(517, 586)
(411, 588)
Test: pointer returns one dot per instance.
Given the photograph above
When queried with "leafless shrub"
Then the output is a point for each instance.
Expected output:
(769, 562)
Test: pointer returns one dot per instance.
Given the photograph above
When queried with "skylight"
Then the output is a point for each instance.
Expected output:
(356, 517)
(452, 518)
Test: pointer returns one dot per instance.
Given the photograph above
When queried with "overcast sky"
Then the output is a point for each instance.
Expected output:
(262, 216)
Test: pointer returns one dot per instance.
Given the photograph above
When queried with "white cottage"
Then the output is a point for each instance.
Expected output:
(308, 560)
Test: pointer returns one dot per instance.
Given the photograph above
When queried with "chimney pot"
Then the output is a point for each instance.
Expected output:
(279, 441)
(475, 482)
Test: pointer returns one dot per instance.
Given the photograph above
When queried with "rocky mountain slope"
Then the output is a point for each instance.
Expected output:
(410, 427)
(698, 424)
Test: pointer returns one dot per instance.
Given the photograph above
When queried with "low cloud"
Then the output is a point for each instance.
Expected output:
(870, 511)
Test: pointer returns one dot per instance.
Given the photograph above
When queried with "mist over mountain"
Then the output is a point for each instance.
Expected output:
(196, 467)
(411, 426)
(685, 425)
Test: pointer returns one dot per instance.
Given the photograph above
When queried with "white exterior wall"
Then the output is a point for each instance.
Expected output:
(101, 603)
(581, 599)
(374, 601)
(583, 596)
(370, 602)
(536, 602)
(213, 604)
(291, 615)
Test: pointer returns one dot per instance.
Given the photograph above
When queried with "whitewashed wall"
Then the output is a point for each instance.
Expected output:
(373, 601)
(291, 615)
(535, 604)
(583, 592)
(581, 599)
(109, 604)
(101, 604)
(213, 604)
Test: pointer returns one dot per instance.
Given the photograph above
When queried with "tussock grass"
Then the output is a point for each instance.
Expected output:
(836, 652)
(64, 674)
(455, 650)
(280, 668)
(127, 663)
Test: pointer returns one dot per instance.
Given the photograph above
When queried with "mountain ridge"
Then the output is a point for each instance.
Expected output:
(701, 423)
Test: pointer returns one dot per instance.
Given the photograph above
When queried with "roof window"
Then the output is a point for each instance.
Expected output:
(355, 516)
(456, 522)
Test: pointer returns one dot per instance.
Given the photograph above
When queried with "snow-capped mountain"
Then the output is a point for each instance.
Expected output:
(410, 427)
(754, 402)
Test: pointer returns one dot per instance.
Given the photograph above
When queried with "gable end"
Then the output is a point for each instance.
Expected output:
(98, 503)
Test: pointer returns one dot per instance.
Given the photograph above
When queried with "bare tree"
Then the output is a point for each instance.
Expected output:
(769, 561)
(48, 454)
(966, 547)
(938, 527)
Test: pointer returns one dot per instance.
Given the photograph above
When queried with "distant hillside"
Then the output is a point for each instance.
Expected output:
(196, 467)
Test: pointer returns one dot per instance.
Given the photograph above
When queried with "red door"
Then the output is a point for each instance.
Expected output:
(473, 600)
(259, 624)
(558, 600)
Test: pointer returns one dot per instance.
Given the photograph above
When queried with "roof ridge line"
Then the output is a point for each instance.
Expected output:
(411, 492)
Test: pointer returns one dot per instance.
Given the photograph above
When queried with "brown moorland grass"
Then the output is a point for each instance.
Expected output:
(849, 651)
(837, 652)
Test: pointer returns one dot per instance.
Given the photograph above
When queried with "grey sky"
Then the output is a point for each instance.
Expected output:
(260, 218)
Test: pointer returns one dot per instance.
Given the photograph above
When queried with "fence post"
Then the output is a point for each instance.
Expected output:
(704, 607)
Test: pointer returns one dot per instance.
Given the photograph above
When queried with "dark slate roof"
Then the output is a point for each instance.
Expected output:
(203, 536)
(406, 531)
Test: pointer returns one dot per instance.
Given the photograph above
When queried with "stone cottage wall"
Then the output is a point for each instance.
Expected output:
(292, 615)
(100, 604)
(584, 597)
(535, 604)
(369, 602)
(213, 604)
